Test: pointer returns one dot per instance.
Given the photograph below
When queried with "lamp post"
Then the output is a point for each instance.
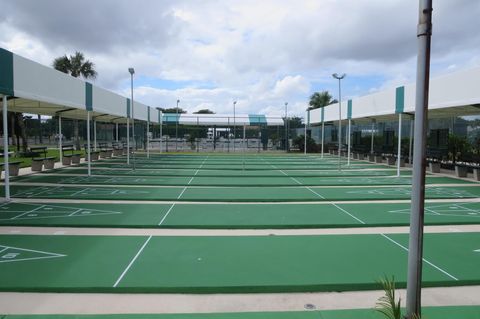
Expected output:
(132, 72)
(176, 126)
(339, 78)
(234, 124)
(286, 127)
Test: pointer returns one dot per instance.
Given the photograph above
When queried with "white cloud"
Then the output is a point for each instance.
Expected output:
(260, 53)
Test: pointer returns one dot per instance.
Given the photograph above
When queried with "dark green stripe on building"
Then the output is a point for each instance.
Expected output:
(6, 72)
(257, 119)
(349, 110)
(88, 96)
(399, 99)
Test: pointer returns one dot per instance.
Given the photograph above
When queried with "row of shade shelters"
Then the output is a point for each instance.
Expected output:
(29, 87)
(450, 95)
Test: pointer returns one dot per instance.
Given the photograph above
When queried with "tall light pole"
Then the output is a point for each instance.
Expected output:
(132, 72)
(176, 126)
(234, 124)
(286, 127)
(339, 78)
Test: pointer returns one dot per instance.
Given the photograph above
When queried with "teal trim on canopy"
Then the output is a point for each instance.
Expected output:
(257, 119)
(399, 99)
(89, 96)
(128, 108)
(6, 72)
(349, 110)
(171, 118)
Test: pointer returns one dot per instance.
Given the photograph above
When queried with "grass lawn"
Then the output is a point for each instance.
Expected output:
(27, 161)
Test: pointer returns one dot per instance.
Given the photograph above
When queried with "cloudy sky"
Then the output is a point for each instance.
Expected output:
(261, 53)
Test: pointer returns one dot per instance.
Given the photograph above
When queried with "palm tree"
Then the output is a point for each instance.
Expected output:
(204, 111)
(76, 66)
(320, 99)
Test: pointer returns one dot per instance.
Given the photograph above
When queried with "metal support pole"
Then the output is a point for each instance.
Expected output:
(286, 127)
(243, 142)
(348, 151)
(148, 138)
(372, 135)
(234, 125)
(415, 246)
(5, 149)
(161, 130)
(128, 141)
(176, 127)
(89, 157)
(60, 136)
(399, 151)
(323, 135)
(339, 130)
(95, 135)
(134, 142)
(305, 137)
(339, 78)
(410, 146)
(116, 132)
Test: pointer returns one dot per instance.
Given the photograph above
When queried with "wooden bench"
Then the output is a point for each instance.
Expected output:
(117, 149)
(72, 158)
(105, 151)
(37, 162)
(13, 167)
(94, 155)
(434, 166)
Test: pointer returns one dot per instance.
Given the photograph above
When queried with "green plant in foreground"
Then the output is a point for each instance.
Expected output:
(388, 305)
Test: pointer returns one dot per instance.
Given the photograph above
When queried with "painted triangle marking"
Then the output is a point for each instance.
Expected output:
(13, 254)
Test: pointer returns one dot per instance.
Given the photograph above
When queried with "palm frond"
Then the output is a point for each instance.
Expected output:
(388, 305)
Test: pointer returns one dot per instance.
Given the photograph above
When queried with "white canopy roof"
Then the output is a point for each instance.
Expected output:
(454, 94)
(222, 119)
(37, 89)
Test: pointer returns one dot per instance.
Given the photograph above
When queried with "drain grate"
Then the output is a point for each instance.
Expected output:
(310, 306)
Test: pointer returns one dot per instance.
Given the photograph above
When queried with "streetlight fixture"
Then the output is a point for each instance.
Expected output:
(176, 126)
(132, 72)
(339, 78)
(234, 124)
(286, 127)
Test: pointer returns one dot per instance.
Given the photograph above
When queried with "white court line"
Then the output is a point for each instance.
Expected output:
(168, 212)
(49, 188)
(346, 212)
(1, 251)
(297, 181)
(28, 212)
(77, 211)
(132, 261)
(191, 179)
(398, 244)
(183, 191)
(431, 211)
(426, 261)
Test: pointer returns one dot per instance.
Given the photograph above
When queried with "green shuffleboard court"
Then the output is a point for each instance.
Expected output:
(232, 215)
(225, 172)
(229, 264)
(238, 194)
(458, 312)
(229, 181)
